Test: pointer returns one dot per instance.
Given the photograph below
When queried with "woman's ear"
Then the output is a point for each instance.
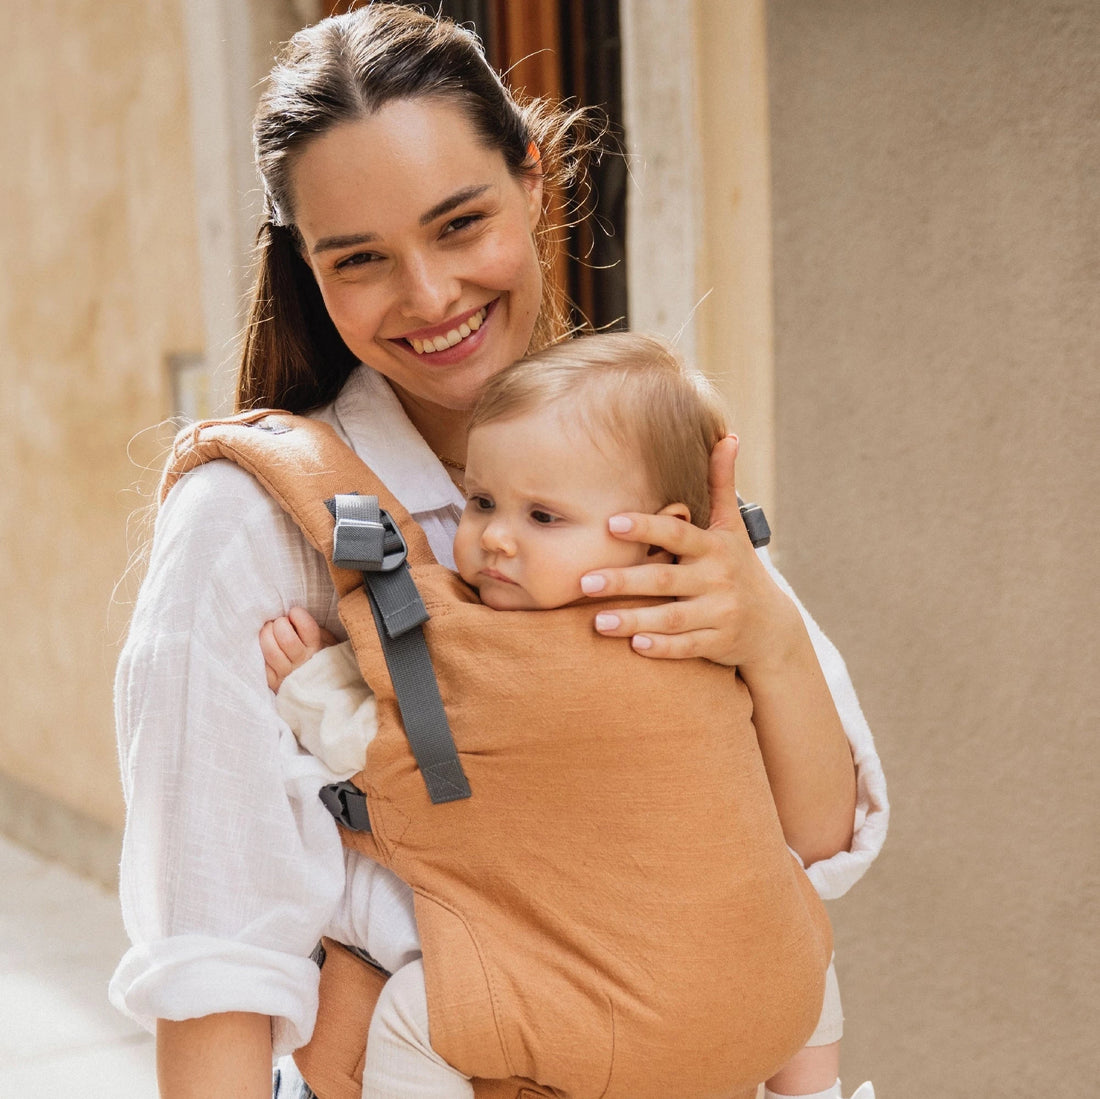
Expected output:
(677, 511)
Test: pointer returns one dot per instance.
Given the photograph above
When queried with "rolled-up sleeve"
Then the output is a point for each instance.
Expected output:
(833, 877)
(231, 867)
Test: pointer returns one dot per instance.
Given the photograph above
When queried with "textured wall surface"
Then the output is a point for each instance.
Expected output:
(98, 283)
(937, 266)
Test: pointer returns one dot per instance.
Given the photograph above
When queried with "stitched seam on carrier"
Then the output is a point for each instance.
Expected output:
(611, 1059)
(493, 994)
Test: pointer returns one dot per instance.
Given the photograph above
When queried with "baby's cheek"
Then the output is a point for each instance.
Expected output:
(626, 554)
(463, 551)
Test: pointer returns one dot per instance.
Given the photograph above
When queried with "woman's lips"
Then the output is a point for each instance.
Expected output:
(456, 332)
(455, 346)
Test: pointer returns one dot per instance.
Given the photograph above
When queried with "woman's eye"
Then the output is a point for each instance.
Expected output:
(542, 516)
(359, 259)
(456, 225)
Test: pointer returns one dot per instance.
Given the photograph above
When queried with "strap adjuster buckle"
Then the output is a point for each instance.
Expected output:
(756, 523)
(365, 539)
(348, 804)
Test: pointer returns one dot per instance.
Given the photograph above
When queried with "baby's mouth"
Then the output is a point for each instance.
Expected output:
(455, 336)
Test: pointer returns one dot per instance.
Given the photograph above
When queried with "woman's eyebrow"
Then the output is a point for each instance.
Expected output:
(452, 202)
(328, 244)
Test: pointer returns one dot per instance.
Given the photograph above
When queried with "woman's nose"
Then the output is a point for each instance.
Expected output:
(430, 291)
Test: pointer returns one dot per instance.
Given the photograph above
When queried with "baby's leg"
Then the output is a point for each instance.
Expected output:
(401, 1063)
(814, 1070)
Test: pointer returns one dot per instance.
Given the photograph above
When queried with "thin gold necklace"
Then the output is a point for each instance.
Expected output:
(459, 468)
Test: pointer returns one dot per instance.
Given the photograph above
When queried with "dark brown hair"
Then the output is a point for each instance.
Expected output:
(343, 69)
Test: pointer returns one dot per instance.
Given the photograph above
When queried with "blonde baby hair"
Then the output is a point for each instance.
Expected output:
(632, 388)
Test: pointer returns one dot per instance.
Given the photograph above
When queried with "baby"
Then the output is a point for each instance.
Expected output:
(558, 444)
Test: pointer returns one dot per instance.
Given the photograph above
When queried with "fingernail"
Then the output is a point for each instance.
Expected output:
(640, 641)
(592, 584)
(619, 524)
(607, 622)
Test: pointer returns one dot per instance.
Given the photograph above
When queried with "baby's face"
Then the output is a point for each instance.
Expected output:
(539, 495)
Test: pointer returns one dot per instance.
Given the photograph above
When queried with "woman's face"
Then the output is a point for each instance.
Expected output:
(421, 242)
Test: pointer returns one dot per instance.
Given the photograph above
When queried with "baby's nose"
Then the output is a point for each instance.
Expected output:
(497, 539)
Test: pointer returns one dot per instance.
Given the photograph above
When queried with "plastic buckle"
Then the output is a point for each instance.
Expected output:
(347, 803)
(760, 534)
(395, 549)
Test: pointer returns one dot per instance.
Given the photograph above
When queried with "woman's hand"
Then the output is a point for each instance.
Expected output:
(728, 609)
(725, 607)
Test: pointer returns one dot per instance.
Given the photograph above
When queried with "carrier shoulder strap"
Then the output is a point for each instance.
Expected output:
(368, 538)
(301, 463)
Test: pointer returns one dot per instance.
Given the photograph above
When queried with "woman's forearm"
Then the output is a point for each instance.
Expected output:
(805, 750)
(225, 1055)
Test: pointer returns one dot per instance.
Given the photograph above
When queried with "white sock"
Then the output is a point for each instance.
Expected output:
(829, 1093)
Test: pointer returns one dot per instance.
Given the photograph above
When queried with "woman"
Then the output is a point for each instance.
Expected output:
(406, 196)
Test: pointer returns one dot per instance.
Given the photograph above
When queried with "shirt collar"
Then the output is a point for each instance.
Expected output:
(370, 417)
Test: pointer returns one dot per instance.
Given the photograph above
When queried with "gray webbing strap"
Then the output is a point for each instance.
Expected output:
(425, 720)
(361, 534)
(366, 538)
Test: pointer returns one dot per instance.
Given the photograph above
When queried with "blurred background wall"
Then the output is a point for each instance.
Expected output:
(894, 207)
(98, 285)
(937, 283)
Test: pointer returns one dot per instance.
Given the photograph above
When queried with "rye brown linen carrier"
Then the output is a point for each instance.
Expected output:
(613, 912)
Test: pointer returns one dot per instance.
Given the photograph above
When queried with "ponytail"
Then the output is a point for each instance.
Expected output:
(293, 357)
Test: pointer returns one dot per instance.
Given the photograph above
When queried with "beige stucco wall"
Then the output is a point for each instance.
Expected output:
(937, 234)
(97, 285)
(698, 209)
(935, 211)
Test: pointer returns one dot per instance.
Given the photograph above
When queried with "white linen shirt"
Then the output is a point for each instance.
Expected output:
(232, 869)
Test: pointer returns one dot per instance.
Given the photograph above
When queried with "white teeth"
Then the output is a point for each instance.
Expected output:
(455, 335)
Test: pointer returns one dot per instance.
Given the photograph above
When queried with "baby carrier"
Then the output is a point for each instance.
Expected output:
(605, 900)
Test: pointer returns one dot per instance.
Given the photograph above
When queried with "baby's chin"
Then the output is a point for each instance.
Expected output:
(506, 597)
(525, 602)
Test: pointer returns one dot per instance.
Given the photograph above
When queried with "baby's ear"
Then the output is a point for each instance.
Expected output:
(678, 511)
(681, 511)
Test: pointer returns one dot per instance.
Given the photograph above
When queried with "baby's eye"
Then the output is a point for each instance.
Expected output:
(482, 503)
(540, 516)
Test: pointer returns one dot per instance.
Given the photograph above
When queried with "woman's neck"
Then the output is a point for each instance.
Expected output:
(443, 429)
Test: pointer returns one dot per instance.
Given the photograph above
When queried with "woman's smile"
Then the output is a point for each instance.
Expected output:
(451, 341)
